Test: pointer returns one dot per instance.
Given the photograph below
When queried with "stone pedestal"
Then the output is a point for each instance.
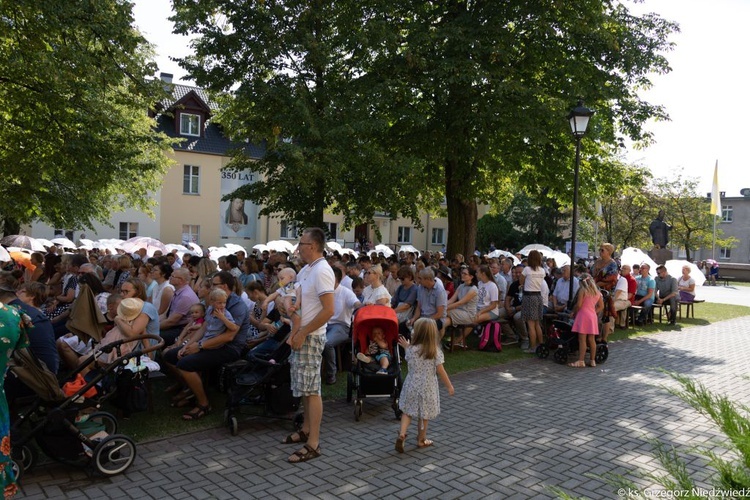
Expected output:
(660, 255)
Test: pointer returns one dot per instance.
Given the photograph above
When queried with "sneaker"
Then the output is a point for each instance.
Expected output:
(508, 342)
(524, 346)
(364, 357)
(382, 371)
(530, 350)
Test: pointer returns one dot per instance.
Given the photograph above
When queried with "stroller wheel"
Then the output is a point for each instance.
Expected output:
(542, 351)
(25, 458)
(17, 468)
(349, 387)
(105, 419)
(114, 454)
(602, 353)
(233, 425)
(358, 410)
(561, 355)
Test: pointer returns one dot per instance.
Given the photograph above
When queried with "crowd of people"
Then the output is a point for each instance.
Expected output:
(213, 313)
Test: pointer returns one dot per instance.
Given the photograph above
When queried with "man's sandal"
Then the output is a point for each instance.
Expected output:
(305, 454)
(301, 437)
(197, 413)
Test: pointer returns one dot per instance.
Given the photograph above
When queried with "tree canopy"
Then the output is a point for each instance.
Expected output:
(76, 140)
(376, 105)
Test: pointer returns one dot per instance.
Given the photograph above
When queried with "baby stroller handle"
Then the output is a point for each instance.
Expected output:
(116, 344)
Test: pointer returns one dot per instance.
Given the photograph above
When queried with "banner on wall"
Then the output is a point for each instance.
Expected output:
(238, 218)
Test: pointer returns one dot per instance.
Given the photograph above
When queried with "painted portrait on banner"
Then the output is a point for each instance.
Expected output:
(238, 217)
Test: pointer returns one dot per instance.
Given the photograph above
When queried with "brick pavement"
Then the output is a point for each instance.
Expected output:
(509, 432)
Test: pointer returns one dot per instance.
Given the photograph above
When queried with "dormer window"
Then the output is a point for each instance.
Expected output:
(190, 124)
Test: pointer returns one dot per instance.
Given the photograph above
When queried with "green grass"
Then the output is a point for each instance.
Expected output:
(166, 421)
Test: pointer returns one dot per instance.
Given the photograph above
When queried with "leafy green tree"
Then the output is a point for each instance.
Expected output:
(385, 106)
(627, 210)
(292, 74)
(75, 89)
(498, 229)
(480, 89)
(688, 213)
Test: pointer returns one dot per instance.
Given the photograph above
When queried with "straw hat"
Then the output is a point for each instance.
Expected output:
(129, 309)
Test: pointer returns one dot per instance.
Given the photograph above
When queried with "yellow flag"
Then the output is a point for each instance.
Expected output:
(715, 197)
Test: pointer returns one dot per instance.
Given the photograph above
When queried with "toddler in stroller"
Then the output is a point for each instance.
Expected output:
(375, 331)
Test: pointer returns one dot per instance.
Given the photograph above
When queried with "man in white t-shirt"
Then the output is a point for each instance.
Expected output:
(621, 300)
(316, 281)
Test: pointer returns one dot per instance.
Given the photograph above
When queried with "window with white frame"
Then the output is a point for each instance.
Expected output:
(288, 230)
(190, 124)
(333, 230)
(191, 233)
(404, 234)
(727, 213)
(128, 230)
(438, 236)
(191, 179)
(725, 253)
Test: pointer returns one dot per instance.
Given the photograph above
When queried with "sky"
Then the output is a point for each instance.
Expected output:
(705, 94)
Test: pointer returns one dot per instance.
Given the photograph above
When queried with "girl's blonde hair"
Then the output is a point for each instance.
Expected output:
(426, 336)
(217, 294)
(588, 286)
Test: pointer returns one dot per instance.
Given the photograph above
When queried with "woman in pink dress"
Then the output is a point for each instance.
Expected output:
(586, 324)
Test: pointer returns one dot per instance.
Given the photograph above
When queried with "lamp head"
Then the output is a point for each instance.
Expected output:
(579, 119)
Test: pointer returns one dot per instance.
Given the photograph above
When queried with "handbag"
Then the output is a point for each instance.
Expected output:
(132, 391)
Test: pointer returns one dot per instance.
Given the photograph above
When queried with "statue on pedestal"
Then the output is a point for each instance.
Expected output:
(660, 237)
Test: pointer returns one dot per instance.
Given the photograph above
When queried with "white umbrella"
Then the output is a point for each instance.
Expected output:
(350, 251)
(23, 241)
(109, 243)
(64, 242)
(234, 247)
(150, 244)
(334, 246)
(408, 248)
(561, 258)
(281, 246)
(4, 255)
(387, 251)
(503, 253)
(674, 268)
(195, 248)
(47, 243)
(632, 256)
(261, 247)
(215, 252)
(543, 249)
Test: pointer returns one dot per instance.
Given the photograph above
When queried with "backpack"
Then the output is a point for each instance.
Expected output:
(489, 340)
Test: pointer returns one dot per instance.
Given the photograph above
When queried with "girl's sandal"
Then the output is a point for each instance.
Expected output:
(197, 413)
(305, 454)
(400, 443)
(577, 364)
(425, 443)
(592, 364)
(301, 437)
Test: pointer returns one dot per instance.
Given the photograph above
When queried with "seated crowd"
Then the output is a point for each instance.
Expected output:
(211, 314)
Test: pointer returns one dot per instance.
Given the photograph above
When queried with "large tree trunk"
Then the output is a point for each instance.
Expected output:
(462, 217)
(10, 226)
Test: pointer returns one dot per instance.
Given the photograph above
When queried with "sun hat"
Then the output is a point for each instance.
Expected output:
(129, 309)
(445, 271)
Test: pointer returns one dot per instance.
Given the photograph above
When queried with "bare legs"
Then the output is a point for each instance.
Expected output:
(422, 440)
(535, 333)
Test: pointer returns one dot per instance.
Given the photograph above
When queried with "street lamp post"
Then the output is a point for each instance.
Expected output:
(579, 120)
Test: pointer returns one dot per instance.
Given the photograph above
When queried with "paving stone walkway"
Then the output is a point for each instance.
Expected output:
(508, 433)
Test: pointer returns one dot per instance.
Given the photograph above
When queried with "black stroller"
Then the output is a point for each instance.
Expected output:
(562, 342)
(364, 379)
(262, 382)
(71, 429)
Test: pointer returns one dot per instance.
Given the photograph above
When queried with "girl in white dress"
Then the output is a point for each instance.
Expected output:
(420, 397)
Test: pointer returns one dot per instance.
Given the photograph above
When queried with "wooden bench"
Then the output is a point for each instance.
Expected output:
(689, 309)
(725, 279)
(635, 311)
(457, 328)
